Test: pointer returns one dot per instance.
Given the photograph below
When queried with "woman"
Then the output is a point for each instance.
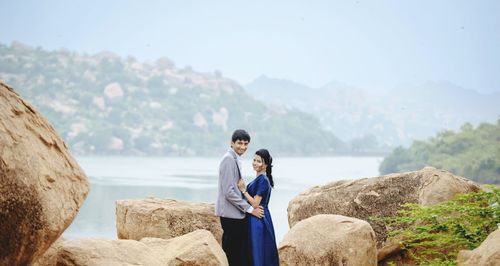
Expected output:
(262, 242)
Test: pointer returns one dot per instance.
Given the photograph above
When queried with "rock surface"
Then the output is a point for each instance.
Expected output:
(329, 240)
(196, 248)
(97, 251)
(49, 258)
(378, 196)
(392, 253)
(164, 218)
(487, 254)
(41, 185)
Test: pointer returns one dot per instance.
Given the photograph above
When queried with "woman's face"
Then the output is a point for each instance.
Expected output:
(258, 164)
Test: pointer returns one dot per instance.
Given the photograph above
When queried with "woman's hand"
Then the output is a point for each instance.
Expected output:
(241, 185)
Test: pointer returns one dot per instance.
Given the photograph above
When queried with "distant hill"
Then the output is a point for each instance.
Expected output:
(392, 118)
(470, 152)
(105, 104)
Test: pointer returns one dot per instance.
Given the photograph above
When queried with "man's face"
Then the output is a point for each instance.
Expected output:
(240, 146)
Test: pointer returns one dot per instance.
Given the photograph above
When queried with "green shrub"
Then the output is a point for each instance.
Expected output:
(434, 235)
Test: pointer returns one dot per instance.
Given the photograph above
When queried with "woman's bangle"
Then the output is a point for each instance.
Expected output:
(243, 192)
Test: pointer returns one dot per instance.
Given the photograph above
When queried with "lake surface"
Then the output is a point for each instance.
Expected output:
(195, 179)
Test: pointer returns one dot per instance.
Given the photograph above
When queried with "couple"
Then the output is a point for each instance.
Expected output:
(248, 237)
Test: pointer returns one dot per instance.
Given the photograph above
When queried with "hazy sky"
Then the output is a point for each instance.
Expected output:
(371, 44)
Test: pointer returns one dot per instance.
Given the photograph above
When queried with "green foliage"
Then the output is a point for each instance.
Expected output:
(472, 152)
(434, 235)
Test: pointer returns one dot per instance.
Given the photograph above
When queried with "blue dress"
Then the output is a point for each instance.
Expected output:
(262, 242)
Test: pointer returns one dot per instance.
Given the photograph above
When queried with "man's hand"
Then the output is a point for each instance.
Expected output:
(241, 185)
(258, 212)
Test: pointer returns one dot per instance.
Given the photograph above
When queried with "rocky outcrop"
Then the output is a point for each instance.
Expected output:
(49, 258)
(97, 251)
(164, 218)
(392, 253)
(379, 196)
(329, 240)
(487, 254)
(390, 248)
(196, 248)
(41, 185)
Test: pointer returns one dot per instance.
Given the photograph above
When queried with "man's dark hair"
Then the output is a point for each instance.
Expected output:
(240, 134)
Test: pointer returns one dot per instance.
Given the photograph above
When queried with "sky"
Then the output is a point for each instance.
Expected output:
(369, 44)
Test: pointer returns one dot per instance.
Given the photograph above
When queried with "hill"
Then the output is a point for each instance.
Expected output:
(471, 152)
(105, 104)
(388, 117)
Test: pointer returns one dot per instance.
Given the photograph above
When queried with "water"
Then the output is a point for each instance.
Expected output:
(195, 179)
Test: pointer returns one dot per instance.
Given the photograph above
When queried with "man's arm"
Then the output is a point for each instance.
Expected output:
(226, 172)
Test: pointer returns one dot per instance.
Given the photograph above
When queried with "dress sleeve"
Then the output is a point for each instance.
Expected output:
(262, 187)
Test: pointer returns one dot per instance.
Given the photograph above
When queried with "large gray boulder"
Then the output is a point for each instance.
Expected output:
(164, 218)
(41, 185)
(378, 196)
(327, 239)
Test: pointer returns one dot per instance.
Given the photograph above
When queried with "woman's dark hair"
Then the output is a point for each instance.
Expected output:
(268, 160)
(240, 134)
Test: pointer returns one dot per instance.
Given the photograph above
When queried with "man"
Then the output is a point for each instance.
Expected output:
(231, 206)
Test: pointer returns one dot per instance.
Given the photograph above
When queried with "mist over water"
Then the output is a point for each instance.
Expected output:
(195, 179)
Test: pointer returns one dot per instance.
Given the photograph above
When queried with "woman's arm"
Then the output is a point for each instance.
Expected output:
(254, 201)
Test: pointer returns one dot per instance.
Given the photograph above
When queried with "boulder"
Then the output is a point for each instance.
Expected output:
(487, 254)
(378, 196)
(49, 258)
(164, 218)
(41, 185)
(389, 249)
(97, 251)
(196, 248)
(328, 239)
(392, 253)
